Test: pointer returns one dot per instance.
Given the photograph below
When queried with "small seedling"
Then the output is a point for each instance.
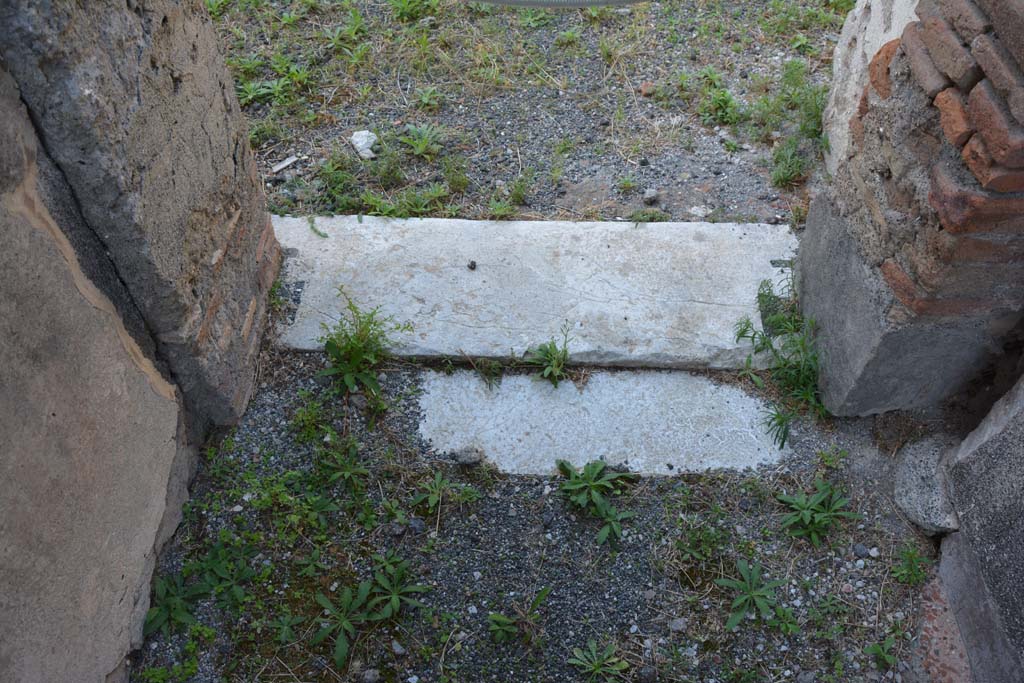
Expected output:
(308, 419)
(393, 588)
(551, 358)
(285, 626)
(593, 484)
(813, 516)
(882, 652)
(432, 492)
(612, 519)
(597, 664)
(340, 463)
(172, 603)
(912, 569)
(423, 141)
(343, 618)
(754, 594)
(526, 622)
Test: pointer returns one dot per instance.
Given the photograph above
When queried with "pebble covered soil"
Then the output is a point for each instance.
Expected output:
(312, 496)
(682, 110)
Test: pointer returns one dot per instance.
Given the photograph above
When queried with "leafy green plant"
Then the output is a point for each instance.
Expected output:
(432, 492)
(311, 565)
(591, 485)
(356, 345)
(598, 664)
(882, 652)
(718, 106)
(613, 520)
(785, 621)
(225, 572)
(551, 358)
(342, 619)
(307, 421)
(423, 141)
(285, 626)
(526, 622)
(340, 463)
(428, 98)
(412, 10)
(789, 164)
(172, 603)
(393, 588)
(753, 593)
(788, 342)
(912, 569)
(649, 216)
(812, 516)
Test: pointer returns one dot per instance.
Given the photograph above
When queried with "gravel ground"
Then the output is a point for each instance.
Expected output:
(493, 549)
(539, 113)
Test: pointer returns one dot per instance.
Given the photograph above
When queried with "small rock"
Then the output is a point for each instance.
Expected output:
(370, 676)
(647, 674)
(678, 624)
(861, 550)
(874, 552)
(412, 679)
(397, 648)
(807, 677)
(469, 456)
(547, 519)
(358, 401)
(472, 609)
(363, 141)
(650, 196)
(461, 636)
(471, 265)
(859, 564)
(700, 211)
(417, 525)
(477, 576)
(237, 508)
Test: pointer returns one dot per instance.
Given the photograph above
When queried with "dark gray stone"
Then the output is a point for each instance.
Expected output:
(132, 102)
(873, 357)
(920, 490)
(986, 483)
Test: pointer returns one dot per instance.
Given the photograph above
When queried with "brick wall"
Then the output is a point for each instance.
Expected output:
(912, 262)
(965, 56)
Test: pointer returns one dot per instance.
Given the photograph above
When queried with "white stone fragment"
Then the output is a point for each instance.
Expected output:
(363, 141)
(656, 294)
(651, 422)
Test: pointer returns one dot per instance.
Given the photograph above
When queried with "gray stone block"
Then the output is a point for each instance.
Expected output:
(133, 104)
(986, 483)
(920, 490)
(875, 356)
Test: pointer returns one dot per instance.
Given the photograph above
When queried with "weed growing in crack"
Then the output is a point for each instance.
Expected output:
(788, 342)
(356, 345)
(551, 359)
(912, 569)
(753, 593)
(171, 605)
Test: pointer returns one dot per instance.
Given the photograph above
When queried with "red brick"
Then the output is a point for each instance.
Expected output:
(967, 19)
(1004, 73)
(927, 75)
(1008, 19)
(949, 54)
(991, 175)
(949, 248)
(878, 69)
(903, 288)
(1004, 137)
(963, 209)
(956, 125)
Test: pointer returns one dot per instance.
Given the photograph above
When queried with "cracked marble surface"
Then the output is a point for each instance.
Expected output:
(654, 294)
(649, 421)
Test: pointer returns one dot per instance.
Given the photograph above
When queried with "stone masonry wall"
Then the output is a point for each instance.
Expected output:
(913, 260)
(135, 261)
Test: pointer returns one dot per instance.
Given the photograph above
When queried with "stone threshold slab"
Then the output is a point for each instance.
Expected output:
(634, 294)
(648, 421)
